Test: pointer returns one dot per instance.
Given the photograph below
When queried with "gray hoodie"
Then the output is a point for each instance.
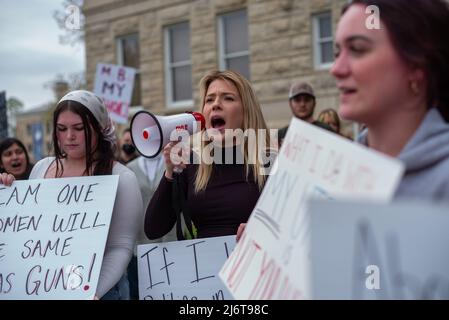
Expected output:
(426, 159)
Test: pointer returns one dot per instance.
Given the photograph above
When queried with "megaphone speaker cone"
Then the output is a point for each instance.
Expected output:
(151, 133)
(146, 134)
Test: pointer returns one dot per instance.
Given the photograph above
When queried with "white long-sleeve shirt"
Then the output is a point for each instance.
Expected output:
(125, 222)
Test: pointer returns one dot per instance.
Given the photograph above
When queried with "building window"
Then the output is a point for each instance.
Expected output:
(323, 41)
(128, 56)
(233, 42)
(178, 66)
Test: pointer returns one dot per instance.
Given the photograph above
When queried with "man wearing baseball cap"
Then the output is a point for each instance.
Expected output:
(302, 102)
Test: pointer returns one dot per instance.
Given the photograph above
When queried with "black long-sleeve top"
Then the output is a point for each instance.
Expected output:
(227, 201)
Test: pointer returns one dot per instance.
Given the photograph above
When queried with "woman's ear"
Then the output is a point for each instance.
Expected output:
(417, 81)
(418, 75)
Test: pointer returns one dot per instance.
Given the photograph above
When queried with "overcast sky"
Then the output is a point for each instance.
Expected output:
(30, 52)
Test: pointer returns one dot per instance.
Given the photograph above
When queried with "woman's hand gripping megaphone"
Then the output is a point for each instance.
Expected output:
(176, 155)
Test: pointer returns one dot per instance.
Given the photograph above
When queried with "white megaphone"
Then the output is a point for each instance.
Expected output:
(151, 133)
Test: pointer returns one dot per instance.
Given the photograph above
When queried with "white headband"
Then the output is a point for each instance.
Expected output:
(96, 106)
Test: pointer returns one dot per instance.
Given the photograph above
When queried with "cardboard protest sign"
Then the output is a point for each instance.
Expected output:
(363, 251)
(114, 84)
(183, 270)
(271, 261)
(52, 236)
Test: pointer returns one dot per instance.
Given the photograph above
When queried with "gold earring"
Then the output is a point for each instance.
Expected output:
(414, 87)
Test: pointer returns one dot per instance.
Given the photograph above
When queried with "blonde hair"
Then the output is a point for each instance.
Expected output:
(252, 119)
(332, 114)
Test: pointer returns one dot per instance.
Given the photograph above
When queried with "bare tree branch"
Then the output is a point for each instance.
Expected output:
(14, 105)
(70, 20)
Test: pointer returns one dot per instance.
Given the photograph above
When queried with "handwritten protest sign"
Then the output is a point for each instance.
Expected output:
(362, 251)
(271, 261)
(52, 236)
(115, 84)
(183, 270)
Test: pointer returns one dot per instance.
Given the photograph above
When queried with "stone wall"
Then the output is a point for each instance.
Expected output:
(280, 36)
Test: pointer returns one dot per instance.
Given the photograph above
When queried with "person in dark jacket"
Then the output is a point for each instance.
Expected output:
(302, 102)
(219, 196)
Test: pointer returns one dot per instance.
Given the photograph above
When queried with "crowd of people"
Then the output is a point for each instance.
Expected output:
(391, 79)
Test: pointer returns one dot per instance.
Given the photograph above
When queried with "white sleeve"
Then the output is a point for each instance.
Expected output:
(126, 217)
(40, 168)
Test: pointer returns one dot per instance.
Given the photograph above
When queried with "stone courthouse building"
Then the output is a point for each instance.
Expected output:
(173, 43)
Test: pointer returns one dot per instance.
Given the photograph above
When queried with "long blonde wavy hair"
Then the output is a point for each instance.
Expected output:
(252, 119)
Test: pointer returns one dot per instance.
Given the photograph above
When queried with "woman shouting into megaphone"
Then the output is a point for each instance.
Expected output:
(220, 189)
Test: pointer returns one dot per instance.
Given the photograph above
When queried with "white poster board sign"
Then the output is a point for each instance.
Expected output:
(361, 251)
(271, 261)
(114, 84)
(183, 270)
(52, 236)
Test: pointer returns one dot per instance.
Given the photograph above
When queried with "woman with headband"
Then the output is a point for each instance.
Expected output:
(84, 142)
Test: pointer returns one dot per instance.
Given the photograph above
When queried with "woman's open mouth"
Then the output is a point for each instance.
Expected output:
(218, 123)
(346, 93)
(16, 164)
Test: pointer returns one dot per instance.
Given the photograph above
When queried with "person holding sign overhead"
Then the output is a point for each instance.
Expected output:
(392, 70)
(84, 142)
(219, 196)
